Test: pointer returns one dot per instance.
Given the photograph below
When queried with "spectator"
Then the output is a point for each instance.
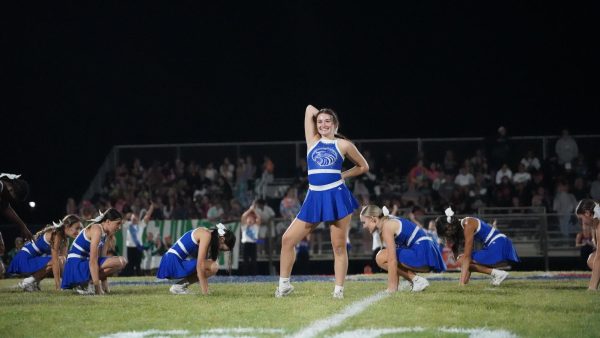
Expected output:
(210, 172)
(266, 214)
(227, 169)
(71, 208)
(464, 178)
(215, 212)
(135, 249)
(564, 205)
(503, 172)
(522, 176)
(19, 242)
(531, 162)
(500, 148)
(418, 174)
(290, 205)
(450, 165)
(566, 148)
(250, 228)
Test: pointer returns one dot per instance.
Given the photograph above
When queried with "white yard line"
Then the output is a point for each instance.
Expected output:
(473, 333)
(352, 310)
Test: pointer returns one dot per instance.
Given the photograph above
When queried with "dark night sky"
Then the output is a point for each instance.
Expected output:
(82, 79)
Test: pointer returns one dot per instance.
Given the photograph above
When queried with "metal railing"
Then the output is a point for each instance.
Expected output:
(287, 154)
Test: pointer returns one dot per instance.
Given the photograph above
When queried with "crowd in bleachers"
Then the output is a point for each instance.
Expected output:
(492, 176)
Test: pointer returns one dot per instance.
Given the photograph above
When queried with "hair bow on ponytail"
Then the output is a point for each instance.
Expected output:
(221, 229)
(57, 225)
(449, 213)
(385, 210)
(597, 211)
(10, 176)
(99, 217)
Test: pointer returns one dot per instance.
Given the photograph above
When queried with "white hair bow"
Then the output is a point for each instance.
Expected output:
(221, 229)
(385, 210)
(10, 176)
(99, 217)
(57, 225)
(597, 211)
(449, 213)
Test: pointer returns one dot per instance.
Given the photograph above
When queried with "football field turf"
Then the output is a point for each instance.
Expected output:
(525, 305)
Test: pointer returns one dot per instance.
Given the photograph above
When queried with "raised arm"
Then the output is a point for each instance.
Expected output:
(148, 215)
(387, 234)
(203, 246)
(95, 233)
(12, 216)
(470, 225)
(56, 261)
(310, 128)
(349, 150)
(246, 213)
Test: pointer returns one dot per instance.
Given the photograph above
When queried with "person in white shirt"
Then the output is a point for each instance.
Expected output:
(531, 162)
(521, 176)
(250, 227)
(504, 171)
(134, 229)
(464, 178)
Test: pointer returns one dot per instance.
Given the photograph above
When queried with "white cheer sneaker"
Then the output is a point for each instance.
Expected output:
(419, 284)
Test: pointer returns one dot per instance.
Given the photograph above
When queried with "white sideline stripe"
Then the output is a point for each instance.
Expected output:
(244, 330)
(352, 310)
(142, 334)
(210, 333)
(473, 333)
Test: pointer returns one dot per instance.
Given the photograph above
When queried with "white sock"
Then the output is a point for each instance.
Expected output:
(284, 282)
(29, 280)
(338, 289)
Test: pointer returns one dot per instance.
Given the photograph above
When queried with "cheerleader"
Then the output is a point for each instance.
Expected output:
(327, 200)
(45, 253)
(415, 251)
(13, 190)
(497, 249)
(588, 212)
(87, 264)
(193, 258)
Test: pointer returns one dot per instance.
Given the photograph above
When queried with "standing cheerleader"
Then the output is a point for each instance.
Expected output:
(327, 200)
(588, 212)
(45, 253)
(497, 249)
(414, 250)
(194, 257)
(87, 261)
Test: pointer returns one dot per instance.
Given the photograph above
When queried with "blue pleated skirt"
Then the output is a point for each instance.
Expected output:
(77, 272)
(171, 267)
(328, 205)
(24, 263)
(423, 254)
(499, 251)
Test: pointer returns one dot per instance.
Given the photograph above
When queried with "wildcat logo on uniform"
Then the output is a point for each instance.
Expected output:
(324, 157)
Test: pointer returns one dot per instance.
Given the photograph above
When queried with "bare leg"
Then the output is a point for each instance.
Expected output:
(212, 268)
(590, 261)
(339, 233)
(292, 236)
(404, 271)
(112, 265)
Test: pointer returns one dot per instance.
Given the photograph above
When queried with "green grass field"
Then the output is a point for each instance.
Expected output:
(520, 307)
